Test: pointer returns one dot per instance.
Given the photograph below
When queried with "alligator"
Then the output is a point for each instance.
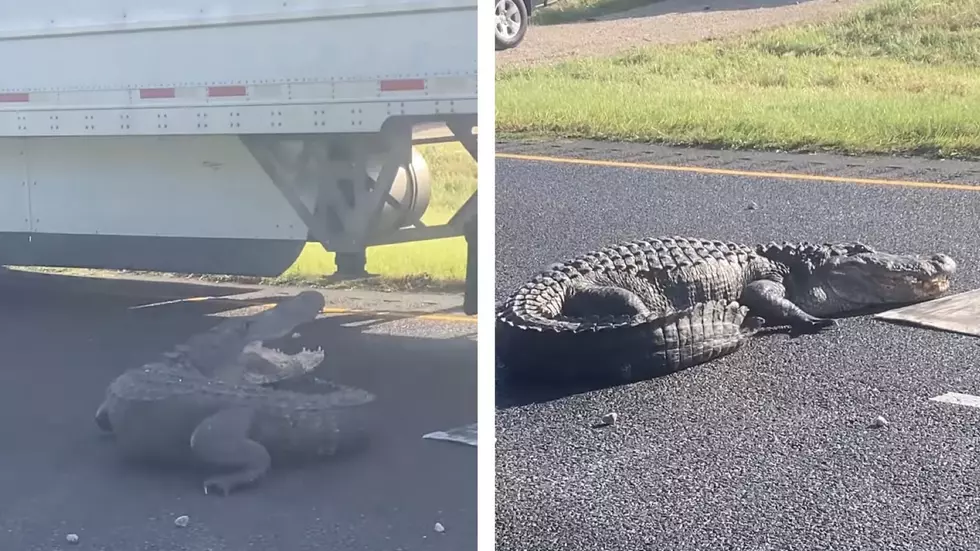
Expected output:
(197, 406)
(649, 307)
(255, 363)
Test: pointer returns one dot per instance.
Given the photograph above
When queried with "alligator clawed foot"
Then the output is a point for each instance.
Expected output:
(219, 484)
(812, 327)
(754, 323)
(824, 324)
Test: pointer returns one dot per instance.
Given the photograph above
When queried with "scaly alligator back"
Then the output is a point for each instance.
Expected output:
(668, 274)
(664, 304)
(154, 410)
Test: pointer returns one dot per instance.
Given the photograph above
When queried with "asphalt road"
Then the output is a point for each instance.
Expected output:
(62, 345)
(772, 447)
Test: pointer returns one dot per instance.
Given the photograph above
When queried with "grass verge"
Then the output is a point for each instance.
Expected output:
(438, 265)
(900, 77)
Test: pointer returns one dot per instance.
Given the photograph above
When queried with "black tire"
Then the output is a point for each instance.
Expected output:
(510, 13)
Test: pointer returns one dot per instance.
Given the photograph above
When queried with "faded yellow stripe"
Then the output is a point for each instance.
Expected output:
(456, 318)
(448, 317)
(743, 173)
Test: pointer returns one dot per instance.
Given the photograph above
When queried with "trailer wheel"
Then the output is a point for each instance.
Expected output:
(512, 23)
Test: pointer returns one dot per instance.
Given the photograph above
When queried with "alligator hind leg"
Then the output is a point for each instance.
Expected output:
(767, 299)
(222, 440)
(604, 301)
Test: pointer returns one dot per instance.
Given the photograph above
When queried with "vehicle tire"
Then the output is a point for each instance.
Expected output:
(512, 23)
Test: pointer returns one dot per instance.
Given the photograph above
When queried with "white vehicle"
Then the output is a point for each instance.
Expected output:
(210, 136)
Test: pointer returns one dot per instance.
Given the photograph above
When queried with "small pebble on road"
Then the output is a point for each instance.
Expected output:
(440, 528)
(72, 538)
(607, 419)
(880, 422)
(182, 520)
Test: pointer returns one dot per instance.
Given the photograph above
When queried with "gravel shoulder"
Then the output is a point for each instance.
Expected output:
(666, 22)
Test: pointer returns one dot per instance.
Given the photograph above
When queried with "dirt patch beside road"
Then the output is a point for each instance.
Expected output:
(666, 22)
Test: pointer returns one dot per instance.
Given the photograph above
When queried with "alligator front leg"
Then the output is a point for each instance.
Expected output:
(222, 440)
(767, 299)
(102, 417)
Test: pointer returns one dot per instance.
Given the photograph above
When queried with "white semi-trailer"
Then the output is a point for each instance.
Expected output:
(219, 136)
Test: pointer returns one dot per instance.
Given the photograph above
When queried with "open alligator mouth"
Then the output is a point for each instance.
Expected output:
(267, 364)
(272, 366)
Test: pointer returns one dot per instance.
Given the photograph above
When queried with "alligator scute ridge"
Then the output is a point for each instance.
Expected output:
(798, 284)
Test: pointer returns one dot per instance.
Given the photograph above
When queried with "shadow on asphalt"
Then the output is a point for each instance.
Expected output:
(156, 290)
(24, 281)
(512, 392)
(667, 7)
(63, 347)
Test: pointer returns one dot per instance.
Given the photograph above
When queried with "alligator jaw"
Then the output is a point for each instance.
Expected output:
(310, 358)
(882, 279)
(281, 319)
(266, 365)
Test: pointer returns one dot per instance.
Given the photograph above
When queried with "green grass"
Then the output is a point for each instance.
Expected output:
(900, 77)
(567, 11)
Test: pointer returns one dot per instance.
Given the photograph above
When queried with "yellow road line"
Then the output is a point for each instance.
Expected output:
(744, 173)
(461, 318)
(448, 317)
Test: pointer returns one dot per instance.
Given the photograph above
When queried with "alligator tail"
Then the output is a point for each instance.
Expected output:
(641, 350)
(539, 304)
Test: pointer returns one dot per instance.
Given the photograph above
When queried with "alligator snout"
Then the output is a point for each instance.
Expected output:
(944, 264)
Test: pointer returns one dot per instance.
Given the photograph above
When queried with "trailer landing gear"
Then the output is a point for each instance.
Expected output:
(354, 191)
